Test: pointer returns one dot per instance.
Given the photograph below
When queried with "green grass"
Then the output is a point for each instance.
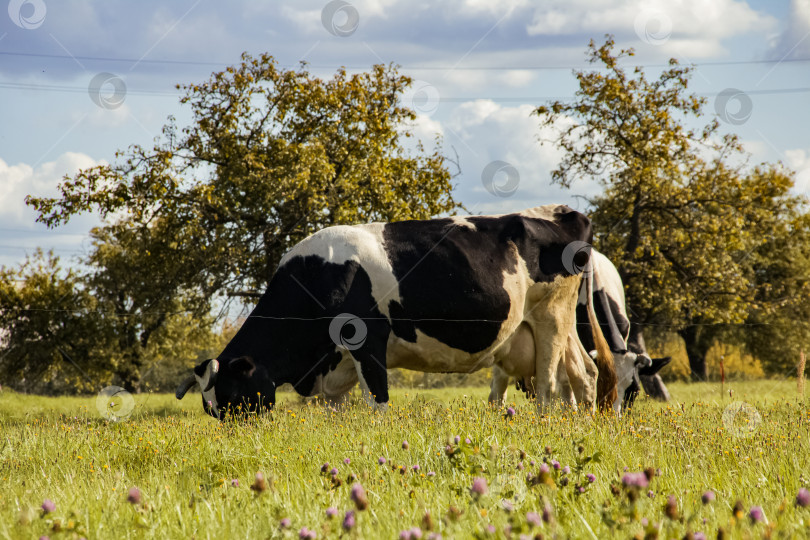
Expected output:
(183, 463)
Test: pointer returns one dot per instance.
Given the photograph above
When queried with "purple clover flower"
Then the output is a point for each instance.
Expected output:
(48, 506)
(479, 487)
(349, 520)
(533, 519)
(307, 534)
(803, 498)
(638, 480)
(591, 478)
(756, 514)
(134, 495)
(707, 497)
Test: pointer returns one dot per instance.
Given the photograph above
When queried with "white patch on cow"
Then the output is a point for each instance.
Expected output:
(336, 384)
(462, 221)
(548, 212)
(361, 243)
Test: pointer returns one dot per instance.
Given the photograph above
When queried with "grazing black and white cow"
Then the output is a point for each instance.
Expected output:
(608, 300)
(440, 295)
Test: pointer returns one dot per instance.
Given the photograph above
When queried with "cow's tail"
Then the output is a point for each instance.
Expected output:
(606, 382)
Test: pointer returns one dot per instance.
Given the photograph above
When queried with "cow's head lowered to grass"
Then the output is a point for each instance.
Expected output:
(231, 387)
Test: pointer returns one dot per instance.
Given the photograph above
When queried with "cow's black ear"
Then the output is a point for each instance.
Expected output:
(657, 365)
(243, 365)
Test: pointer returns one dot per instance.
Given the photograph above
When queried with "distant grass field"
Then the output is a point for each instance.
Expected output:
(193, 475)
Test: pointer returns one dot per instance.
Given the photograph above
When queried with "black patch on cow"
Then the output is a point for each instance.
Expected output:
(451, 276)
(288, 330)
(614, 325)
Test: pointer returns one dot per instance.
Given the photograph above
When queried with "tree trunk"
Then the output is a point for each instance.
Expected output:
(696, 349)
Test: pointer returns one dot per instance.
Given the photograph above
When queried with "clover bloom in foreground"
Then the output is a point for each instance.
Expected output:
(349, 520)
(260, 483)
(134, 495)
(756, 514)
(533, 519)
(381, 461)
(358, 495)
(591, 478)
(48, 506)
(803, 498)
(707, 497)
(331, 512)
(479, 487)
(635, 480)
(306, 534)
(510, 412)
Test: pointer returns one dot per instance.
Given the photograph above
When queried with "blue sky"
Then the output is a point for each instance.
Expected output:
(482, 66)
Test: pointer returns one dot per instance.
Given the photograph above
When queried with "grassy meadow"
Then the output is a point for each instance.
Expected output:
(438, 463)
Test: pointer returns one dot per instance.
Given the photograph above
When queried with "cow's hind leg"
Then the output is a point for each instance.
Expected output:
(498, 386)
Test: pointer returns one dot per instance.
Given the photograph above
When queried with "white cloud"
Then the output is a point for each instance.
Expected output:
(794, 40)
(483, 131)
(18, 228)
(687, 27)
(17, 181)
(799, 161)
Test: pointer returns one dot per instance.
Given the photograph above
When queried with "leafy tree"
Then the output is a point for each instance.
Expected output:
(272, 155)
(61, 330)
(677, 218)
(50, 339)
(778, 323)
(143, 295)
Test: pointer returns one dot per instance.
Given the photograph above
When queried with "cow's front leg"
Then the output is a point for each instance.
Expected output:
(498, 386)
(370, 363)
